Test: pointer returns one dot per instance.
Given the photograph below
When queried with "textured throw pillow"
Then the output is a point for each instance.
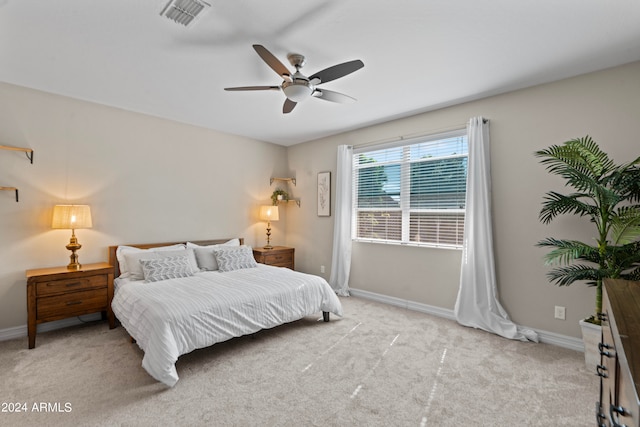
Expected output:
(234, 258)
(204, 254)
(166, 268)
(123, 250)
(134, 260)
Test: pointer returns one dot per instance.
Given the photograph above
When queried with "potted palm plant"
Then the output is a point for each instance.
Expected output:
(608, 195)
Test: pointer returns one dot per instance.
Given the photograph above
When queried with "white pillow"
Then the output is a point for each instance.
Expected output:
(204, 254)
(232, 242)
(133, 260)
(171, 267)
(122, 250)
(234, 258)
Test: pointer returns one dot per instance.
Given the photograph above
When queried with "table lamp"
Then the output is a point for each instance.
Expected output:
(269, 213)
(72, 217)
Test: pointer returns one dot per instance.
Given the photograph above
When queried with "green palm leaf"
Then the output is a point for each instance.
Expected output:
(557, 204)
(577, 157)
(564, 276)
(567, 251)
(625, 225)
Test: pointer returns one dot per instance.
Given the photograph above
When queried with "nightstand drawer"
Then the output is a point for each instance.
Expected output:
(278, 256)
(279, 259)
(72, 304)
(53, 287)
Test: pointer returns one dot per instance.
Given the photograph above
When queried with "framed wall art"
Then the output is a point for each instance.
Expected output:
(324, 193)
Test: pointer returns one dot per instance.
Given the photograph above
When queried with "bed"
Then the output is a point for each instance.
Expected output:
(173, 298)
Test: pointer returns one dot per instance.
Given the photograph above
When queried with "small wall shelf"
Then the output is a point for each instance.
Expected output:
(293, 180)
(10, 189)
(297, 201)
(28, 152)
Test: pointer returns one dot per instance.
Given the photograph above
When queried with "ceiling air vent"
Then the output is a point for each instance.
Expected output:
(184, 11)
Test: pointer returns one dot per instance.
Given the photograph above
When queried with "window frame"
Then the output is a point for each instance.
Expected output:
(405, 193)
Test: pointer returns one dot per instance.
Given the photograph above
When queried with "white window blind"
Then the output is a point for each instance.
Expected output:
(411, 192)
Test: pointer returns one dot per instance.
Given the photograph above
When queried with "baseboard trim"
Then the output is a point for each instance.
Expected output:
(403, 303)
(559, 340)
(22, 331)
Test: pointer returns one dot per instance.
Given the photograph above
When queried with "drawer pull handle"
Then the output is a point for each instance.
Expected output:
(602, 346)
(601, 371)
(74, 302)
(619, 410)
(72, 284)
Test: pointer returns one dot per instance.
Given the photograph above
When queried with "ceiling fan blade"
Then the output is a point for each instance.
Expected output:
(273, 62)
(253, 88)
(336, 72)
(329, 95)
(288, 106)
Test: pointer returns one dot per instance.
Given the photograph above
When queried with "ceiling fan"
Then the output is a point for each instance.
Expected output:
(297, 87)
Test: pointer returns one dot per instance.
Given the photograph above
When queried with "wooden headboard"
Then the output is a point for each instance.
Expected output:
(113, 260)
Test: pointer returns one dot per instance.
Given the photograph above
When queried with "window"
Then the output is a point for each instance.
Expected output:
(411, 192)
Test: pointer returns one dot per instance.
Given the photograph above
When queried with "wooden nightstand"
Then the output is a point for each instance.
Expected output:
(279, 256)
(57, 293)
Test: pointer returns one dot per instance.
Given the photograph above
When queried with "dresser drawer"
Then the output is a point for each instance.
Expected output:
(54, 287)
(72, 304)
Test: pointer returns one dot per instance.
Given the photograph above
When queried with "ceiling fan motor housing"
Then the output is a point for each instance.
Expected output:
(298, 90)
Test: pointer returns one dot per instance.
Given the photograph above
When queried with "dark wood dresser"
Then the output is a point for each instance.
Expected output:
(619, 369)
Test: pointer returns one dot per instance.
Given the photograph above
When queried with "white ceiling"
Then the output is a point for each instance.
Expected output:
(418, 54)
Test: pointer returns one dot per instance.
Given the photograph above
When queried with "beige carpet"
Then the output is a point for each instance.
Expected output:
(378, 366)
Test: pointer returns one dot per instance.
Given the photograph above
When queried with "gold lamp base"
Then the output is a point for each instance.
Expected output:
(268, 245)
(73, 246)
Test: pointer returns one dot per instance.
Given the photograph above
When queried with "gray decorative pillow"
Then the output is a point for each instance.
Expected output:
(166, 268)
(204, 254)
(234, 258)
(134, 259)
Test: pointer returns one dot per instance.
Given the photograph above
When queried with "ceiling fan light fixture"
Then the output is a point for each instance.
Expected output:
(183, 11)
(297, 91)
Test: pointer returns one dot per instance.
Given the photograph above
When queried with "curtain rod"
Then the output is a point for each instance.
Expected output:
(414, 135)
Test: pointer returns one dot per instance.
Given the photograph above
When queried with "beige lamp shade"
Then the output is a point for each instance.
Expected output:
(71, 217)
(269, 213)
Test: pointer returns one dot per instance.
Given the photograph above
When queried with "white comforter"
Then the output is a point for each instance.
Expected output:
(173, 317)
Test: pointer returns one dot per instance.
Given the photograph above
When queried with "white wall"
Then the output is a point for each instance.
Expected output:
(146, 179)
(605, 105)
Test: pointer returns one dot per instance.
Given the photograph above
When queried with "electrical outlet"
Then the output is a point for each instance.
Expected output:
(560, 312)
(322, 269)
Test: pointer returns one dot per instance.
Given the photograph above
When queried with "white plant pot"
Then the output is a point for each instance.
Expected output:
(279, 196)
(591, 337)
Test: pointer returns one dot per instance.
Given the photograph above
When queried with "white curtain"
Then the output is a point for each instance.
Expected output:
(477, 304)
(341, 258)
